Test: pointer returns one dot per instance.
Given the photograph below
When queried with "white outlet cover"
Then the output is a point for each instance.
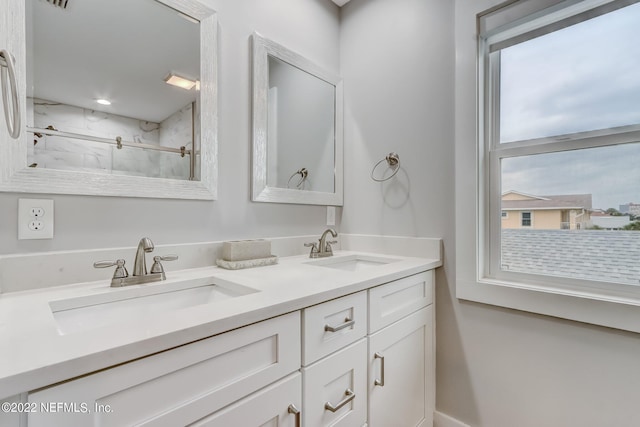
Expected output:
(35, 210)
(331, 215)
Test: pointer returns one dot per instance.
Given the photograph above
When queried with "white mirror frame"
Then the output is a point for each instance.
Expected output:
(15, 176)
(261, 192)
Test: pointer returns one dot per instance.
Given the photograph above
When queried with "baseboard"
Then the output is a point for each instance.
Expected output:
(443, 420)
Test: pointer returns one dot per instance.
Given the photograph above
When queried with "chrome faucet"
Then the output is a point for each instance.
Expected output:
(121, 275)
(140, 262)
(323, 249)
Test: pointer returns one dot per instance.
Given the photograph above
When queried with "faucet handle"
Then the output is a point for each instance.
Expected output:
(157, 266)
(314, 249)
(120, 272)
(328, 244)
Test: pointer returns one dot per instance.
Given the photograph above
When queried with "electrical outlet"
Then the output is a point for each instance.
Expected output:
(331, 215)
(35, 225)
(35, 219)
(36, 212)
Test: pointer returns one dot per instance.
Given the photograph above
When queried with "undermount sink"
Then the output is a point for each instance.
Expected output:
(132, 304)
(354, 262)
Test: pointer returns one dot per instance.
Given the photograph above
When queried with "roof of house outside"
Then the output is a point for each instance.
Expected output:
(610, 256)
(566, 201)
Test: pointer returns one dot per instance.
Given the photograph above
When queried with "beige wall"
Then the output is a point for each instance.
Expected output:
(547, 220)
(540, 220)
(512, 220)
(516, 196)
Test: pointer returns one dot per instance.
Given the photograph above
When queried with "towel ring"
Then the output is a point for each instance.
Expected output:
(393, 161)
(303, 177)
(13, 119)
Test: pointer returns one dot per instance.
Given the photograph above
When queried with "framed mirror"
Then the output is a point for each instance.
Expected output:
(119, 98)
(297, 128)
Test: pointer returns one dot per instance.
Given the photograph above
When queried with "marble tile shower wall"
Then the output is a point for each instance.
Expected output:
(57, 152)
(177, 131)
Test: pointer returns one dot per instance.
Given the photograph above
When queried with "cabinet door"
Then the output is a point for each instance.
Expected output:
(275, 406)
(335, 389)
(178, 386)
(401, 372)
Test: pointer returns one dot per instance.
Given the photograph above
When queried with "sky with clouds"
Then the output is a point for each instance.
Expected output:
(584, 77)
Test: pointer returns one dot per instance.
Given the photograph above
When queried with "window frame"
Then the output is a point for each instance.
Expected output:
(599, 303)
(530, 219)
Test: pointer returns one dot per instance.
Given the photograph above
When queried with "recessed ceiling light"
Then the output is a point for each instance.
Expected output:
(103, 101)
(181, 82)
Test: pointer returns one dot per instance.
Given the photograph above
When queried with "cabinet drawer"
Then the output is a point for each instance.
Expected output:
(340, 381)
(269, 406)
(332, 325)
(182, 385)
(393, 301)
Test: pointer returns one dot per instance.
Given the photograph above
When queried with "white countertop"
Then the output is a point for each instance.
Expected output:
(34, 354)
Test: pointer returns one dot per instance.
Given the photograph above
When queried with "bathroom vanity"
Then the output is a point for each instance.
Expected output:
(346, 340)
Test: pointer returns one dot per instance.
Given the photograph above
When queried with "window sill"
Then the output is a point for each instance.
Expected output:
(612, 312)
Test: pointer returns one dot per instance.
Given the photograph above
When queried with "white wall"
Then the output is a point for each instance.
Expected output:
(495, 367)
(397, 62)
(310, 27)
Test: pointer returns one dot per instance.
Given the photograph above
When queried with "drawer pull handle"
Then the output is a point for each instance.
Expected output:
(347, 322)
(350, 395)
(293, 410)
(380, 381)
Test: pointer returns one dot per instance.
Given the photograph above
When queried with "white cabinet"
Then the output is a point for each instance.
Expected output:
(335, 377)
(330, 326)
(277, 406)
(401, 377)
(178, 386)
(391, 302)
(13, 412)
(362, 359)
(335, 388)
(396, 360)
(401, 359)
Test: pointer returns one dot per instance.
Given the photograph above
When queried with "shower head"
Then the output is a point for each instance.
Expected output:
(59, 3)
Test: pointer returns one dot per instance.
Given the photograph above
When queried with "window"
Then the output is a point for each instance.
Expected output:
(557, 135)
(505, 215)
(566, 146)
